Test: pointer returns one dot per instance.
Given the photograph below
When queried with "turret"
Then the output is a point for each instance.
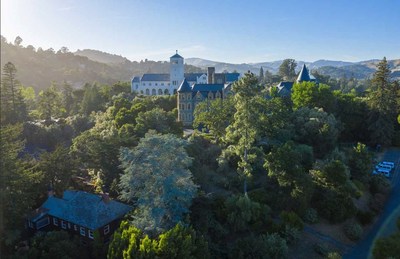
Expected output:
(176, 71)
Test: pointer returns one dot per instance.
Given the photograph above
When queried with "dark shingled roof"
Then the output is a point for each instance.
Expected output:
(176, 55)
(184, 87)
(155, 77)
(285, 88)
(207, 87)
(304, 75)
(192, 77)
(232, 77)
(84, 209)
(136, 79)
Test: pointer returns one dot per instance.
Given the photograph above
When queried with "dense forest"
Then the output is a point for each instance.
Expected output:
(257, 169)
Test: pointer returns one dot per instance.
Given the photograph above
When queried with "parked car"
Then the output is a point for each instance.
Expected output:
(391, 164)
(384, 167)
(382, 171)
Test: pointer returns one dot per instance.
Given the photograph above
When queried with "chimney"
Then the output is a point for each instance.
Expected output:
(50, 191)
(105, 198)
(211, 75)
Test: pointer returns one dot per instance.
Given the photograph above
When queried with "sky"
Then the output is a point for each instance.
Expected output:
(235, 31)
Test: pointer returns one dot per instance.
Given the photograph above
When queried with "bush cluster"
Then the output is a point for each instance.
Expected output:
(353, 230)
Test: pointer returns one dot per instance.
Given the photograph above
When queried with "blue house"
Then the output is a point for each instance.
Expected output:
(80, 213)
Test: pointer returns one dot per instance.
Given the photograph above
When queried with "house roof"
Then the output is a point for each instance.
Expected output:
(285, 87)
(85, 209)
(136, 79)
(304, 75)
(192, 77)
(207, 87)
(176, 55)
(184, 87)
(155, 77)
(231, 77)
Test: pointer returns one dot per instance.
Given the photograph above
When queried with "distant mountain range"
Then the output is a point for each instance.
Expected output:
(336, 69)
(39, 68)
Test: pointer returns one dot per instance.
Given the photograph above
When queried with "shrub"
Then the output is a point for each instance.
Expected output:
(311, 216)
(321, 249)
(379, 184)
(365, 217)
(290, 218)
(353, 230)
(334, 255)
(291, 235)
(269, 246)
(387, 247)
(377, 202)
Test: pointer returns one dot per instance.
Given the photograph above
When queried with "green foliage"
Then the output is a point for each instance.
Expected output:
(353, 230)
(19, 184)
(215, 116)
(379, 184)
(157, 178)
(383, 104)
(316, 128)
(92, 99)
(387, 247)
(55, 244)
(291, 219)
(360, 162)
(244, 213)
(311, 95)
(159, 120)
(179, 242)
(321, 249)
(365, 217)
(333, 205)
(287, 69)
(12, 105)
(332, 174)
(311, 216)
(49, 103)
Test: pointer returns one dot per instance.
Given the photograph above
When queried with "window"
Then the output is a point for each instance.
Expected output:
(69, 225)
(82, 231)
(75, 227)
(147, 92)
(90, 234)
(166, 92)
(30, 224)
(156, 84)
(55, 221)
(149, 84)
(160, 92)
(153, 91)
(42, 223)
(188, 106)
(63, 224)
(144, 84)
(106, 229)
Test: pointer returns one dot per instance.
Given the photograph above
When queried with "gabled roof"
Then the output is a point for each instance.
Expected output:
(155, 77)
(304, 75)
(192, 77)
(184, 87)
(285, 88)
(136, 79)
(207, 87)
(85, 209)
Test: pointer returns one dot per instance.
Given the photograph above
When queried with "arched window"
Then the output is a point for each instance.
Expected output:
(218, 95)
(166, 92)
(147, 92)
(160, 92)
(153, 91)
(189, 96)
(188, 106)
(210, 95)
(141, 91)
(182, 106)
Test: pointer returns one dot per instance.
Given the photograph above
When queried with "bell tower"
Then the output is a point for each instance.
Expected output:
(176, 71)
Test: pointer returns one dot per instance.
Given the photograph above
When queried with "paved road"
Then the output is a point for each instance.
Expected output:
(362, 249)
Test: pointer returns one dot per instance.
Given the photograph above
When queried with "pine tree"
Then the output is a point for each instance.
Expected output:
(261, 76)
(13, 108)
(383, 107)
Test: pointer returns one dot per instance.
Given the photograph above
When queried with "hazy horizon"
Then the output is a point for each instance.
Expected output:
(240, 32)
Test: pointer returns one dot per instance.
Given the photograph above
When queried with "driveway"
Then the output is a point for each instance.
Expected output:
(363, 248)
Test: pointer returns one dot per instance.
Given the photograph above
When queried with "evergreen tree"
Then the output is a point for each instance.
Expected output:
(287, 69)
(13, 107)
(49, 102)
(261, 76)
(92, 99)
(383, 106)
(156, 177)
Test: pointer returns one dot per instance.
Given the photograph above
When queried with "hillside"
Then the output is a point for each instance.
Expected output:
(39, 68)
(335, 69)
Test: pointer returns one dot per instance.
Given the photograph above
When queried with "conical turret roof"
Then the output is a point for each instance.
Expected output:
(184, 87)
(304, 75)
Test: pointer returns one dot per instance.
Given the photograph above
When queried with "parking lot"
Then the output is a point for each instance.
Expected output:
(393, 155)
